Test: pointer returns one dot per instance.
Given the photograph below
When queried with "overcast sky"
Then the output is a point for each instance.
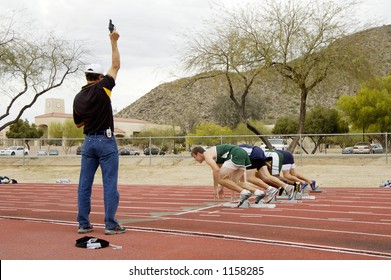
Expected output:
(150, 37)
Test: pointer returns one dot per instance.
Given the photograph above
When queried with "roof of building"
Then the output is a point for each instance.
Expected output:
(67, 116)
(54, 115)
(118, 131)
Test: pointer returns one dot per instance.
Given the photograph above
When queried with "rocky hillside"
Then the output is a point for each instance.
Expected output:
(182, 103)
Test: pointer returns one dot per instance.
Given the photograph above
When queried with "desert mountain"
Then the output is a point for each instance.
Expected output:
(180, 102)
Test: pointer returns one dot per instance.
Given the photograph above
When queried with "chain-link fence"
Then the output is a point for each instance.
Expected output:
(309, 145)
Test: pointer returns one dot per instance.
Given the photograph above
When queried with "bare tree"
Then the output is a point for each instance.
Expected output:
(238, 54)
(308, 46)
(31, 66)
(299, 40)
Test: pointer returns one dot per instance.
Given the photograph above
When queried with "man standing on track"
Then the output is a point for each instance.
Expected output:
(233, 161)
(92, 109)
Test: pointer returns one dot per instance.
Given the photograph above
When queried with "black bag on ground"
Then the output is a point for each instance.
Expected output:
(91, 242)
(6, 180)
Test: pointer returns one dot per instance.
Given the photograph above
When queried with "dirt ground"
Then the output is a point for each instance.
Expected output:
(143, 170)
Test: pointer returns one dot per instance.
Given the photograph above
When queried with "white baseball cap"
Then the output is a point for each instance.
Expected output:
(94, 68)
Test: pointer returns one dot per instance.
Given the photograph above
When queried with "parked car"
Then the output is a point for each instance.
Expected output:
(128, 152)
(154, 151)
(2, 152)
(42, 153)
(53, 152)
(347, 150)
(377, 148)
(277, 143)
(15, 151)
(362, 148)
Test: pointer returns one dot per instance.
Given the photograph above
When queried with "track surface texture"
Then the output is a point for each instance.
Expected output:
(38, 222)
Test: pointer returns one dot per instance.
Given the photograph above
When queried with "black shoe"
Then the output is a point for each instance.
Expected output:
(297, 186)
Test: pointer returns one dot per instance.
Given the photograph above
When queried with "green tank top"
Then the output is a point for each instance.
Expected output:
(238, 155)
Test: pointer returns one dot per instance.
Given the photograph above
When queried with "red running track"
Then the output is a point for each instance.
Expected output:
(38, 221)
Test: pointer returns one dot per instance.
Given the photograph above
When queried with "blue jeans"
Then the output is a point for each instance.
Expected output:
(98, 150)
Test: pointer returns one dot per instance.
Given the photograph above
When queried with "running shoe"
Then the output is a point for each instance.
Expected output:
(259, 197)
(313, 185)
(297, 186)
(271, 194)
(298, 196)
(245, 204)
(244, 195)
(117, 230)
(304, 186)
(83, 230)
(290, 191)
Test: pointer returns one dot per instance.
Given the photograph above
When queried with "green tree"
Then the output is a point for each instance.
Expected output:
(71, 135)
(65, 134)
(56, 130)
(370, 108)
(22, 129)
(207, 129)
(164, 138)
(55, 134)
(286, 125)
(70, 130)
(241, 129)
(320, 121)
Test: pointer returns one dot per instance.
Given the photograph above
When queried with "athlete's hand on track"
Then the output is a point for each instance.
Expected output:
(220, 192)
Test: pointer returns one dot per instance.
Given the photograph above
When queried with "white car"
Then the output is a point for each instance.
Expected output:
(277, 143)
(42, 153)
(362, 148)
(15, 151)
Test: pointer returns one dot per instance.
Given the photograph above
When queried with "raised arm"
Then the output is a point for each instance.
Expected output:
(115, 57)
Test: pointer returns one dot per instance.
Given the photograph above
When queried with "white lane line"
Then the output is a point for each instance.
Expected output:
(301, 228)
(309, 246)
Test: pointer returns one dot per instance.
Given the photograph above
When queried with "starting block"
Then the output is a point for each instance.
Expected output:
(284, 199)
(317, 191)
(301, 196)
(247, 204)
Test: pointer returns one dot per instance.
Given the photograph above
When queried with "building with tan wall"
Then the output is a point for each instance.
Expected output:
(124, 127)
